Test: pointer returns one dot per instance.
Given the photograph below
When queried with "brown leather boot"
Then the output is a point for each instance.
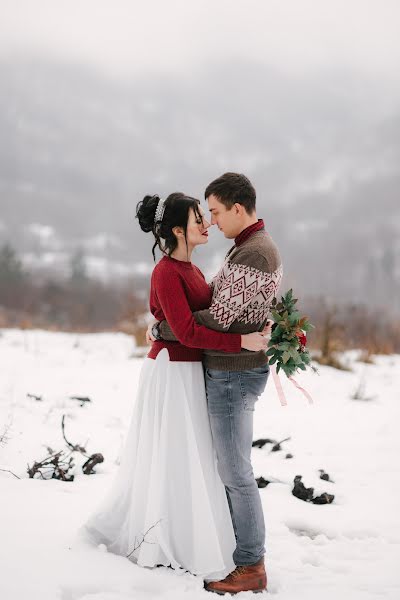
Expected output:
(243, 579)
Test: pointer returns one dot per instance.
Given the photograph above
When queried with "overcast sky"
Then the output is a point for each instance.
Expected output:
(104, 101)
(126, 36)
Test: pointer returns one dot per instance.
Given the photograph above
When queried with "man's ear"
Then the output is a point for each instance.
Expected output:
(239, 208)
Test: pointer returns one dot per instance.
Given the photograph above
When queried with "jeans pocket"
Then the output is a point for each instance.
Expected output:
(218, 391)
(216, 375)
(252, 385)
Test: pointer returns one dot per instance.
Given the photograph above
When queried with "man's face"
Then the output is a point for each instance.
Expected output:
(228, 220)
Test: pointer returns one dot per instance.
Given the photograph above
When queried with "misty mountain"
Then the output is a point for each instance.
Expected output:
(79, 149)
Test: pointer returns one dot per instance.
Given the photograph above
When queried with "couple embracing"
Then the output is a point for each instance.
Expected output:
(185, 494)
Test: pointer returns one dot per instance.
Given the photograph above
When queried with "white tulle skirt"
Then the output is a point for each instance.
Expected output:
(167, 505)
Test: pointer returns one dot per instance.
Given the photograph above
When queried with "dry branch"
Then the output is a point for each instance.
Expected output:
(34, 397)
(8, 471)
(144, 539)
(82, 399)
(91, 462)
(73, 447)
(54, 466)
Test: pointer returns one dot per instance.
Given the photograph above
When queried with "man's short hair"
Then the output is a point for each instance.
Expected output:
(232, 188)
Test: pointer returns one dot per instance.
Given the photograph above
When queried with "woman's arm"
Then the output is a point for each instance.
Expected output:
(180, 317)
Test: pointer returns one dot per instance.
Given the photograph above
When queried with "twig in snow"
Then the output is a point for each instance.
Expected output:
(37, 398)
(8, 471)
(277, 446)
(262, 441)
(82, 399)
(58, 464)
(144, 539)
(91, 462)
(4, 437)
(55, 464)
(76, 447)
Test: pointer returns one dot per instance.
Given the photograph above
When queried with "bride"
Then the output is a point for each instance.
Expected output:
(167, 505)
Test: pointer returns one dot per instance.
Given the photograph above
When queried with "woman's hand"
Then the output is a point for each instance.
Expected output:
(254, 341)
(149, 336)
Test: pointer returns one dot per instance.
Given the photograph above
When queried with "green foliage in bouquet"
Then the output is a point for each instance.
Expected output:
(287, 346)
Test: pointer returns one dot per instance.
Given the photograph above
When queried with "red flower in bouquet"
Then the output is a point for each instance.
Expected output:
(302, 340)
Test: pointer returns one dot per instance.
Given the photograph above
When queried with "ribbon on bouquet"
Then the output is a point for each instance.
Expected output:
(279, 389)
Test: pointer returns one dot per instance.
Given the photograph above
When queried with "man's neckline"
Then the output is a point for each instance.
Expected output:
(248, 232)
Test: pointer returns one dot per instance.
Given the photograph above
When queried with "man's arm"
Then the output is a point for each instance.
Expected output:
(201, 319)
(238, 285)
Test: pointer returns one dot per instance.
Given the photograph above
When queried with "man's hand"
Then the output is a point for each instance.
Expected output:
(149, 336)
(259, 340)
(254, 341)
(267, 329)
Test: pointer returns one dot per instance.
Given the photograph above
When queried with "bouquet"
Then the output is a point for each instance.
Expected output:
(287, 345)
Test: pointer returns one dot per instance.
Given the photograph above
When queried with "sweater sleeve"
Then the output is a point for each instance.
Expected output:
(183, 325)
(239, 284)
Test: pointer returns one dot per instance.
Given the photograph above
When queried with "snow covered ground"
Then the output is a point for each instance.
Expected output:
(345, 550)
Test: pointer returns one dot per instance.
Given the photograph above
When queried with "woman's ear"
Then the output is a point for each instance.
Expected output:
(178, 231)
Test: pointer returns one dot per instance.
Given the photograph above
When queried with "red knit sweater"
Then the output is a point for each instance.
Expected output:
(177, 290)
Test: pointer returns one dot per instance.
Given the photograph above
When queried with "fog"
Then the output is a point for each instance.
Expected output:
(304, 102)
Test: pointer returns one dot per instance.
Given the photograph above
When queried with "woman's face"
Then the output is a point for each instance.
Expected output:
(197, 227)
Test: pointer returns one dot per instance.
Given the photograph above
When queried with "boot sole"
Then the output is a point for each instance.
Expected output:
(221, 593)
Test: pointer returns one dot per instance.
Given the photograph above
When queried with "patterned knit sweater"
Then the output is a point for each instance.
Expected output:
(242, 292)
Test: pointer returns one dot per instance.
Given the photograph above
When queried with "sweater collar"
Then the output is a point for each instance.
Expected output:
(248, 232)
(181, 264)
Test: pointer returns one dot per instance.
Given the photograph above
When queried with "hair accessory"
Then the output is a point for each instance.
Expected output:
(159, 211)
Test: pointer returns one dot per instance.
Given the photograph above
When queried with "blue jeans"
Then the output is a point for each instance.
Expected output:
(231, 398)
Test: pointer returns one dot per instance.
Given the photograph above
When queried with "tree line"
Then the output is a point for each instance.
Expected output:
(78, 302)
(73, 302)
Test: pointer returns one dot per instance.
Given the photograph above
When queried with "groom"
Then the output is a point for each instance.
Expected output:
(242, 293)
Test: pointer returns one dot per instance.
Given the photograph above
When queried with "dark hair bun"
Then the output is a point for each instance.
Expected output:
(177, 207)
(146, 211)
